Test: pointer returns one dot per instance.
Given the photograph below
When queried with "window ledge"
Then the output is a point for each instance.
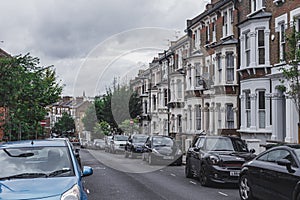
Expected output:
(253, 13)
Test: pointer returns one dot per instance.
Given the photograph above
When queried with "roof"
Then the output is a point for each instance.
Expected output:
(214, 8)
(259, 15)
(33, 143)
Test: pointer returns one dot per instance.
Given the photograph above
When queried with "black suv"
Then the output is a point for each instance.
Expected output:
(217, 159)
(134, 145)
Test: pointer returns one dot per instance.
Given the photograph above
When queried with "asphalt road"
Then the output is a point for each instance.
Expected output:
(119, 178)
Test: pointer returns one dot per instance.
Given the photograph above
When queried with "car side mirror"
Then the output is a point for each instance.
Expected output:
(197, 149)
(252, 150)
(87, 171)
(287, 163)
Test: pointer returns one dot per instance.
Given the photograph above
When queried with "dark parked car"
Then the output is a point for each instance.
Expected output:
(273, 174)
(40, 169)
(161, 150)
(134, 145)
(216, 159)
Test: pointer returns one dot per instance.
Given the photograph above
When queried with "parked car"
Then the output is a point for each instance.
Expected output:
(117, 143)
(40, 169)
(273, 174)
(161, 150)
(216, 159)
(107, 140)
(134, 145)
(99, 144)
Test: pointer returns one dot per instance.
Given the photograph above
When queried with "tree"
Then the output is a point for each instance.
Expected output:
(101, 129)
(291, 71)
(65, 126)
(117, 106)
(90, 119)
(26, 89)
(130, 126)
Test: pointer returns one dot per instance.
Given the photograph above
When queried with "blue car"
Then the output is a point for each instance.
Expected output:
(40, 169)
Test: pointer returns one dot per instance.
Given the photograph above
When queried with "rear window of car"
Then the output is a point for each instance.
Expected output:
(162, 141)
(141, 139)
(35, 160)
(120, 138)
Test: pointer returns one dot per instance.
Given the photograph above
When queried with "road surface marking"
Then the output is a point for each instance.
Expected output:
(88, 191)
(173, 175)
(161, 170)
(192, 182)
(221, 193)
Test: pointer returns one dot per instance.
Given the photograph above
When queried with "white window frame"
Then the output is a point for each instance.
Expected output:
(219, 66)
(261, 109)
(179, 89)
(257, 5)
(225, 24)
(295, 20)
(247, 49)
(214, 30)
(229, 116)
(198, 116)
(229, 67)
(281, 25)
(248, 107)
(219, 115)
(261, 47)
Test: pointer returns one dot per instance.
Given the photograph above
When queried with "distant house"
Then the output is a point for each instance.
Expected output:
(75, 107)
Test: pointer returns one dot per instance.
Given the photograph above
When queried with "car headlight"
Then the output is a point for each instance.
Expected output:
(72, 194)
(214, 160)
(178, 152)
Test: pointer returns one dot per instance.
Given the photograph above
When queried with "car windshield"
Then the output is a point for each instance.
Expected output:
(219, 144)
(139, 139)
(35, 162)
(162, 141)
(120, 138)
(297, 151)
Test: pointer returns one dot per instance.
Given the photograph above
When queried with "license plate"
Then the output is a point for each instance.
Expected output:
(234, 173)
(168, 157)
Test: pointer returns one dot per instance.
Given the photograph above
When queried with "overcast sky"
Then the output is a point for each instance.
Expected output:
(91, 41)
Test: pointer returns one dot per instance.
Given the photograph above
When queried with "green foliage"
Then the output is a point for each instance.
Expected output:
(117, 106)
(90, 118)
(65, 126)
(101, 129)
(291, 70)
(25, 89)
(127, 127)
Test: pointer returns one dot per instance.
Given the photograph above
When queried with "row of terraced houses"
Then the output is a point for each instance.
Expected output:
(222, 77)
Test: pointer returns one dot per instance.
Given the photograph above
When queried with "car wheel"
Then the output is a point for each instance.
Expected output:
(203, 178)
(245, 189)
(188, 172)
